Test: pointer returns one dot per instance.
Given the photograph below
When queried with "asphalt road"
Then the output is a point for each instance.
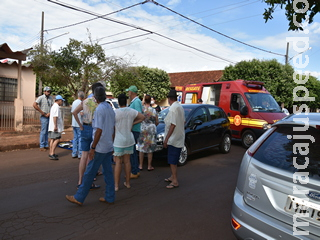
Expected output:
(33, 204)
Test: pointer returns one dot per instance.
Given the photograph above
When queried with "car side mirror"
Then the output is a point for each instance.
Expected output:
(244, 110)
(196, 123)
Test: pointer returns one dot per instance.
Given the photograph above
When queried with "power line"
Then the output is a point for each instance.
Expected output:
(180, 49)
(142, 29)
(227, 6)
(229, 9)
(125, 39)
(156, 3)
(101, 16)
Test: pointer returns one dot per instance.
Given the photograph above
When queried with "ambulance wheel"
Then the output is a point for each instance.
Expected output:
(248, 138)
(183, 156)
(225, 144)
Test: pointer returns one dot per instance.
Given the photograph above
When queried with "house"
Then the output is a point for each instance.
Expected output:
(17, 88)
(9, 82)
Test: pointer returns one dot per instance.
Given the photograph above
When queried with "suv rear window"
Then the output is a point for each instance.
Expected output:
(278, 150)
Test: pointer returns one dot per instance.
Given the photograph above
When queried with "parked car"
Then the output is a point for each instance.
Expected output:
(285, 111)
(113, 103)
(206, 126)
(277, 195)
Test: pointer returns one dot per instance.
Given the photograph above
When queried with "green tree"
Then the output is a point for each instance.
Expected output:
(152, 81)
(122, 78)
(74, 67)
(294, 17)
(156, 82)
(313, 88)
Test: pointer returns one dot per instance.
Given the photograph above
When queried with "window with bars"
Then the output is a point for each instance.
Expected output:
(8, 89)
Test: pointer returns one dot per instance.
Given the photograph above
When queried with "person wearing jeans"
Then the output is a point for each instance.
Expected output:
(103, 124)
(137, 105)
(44, 143)
(43, 105)
(76, 145)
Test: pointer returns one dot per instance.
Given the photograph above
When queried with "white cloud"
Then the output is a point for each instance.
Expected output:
(315, 74)
(173, 2)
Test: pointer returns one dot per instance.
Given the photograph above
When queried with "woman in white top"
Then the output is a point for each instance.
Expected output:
(124, 141)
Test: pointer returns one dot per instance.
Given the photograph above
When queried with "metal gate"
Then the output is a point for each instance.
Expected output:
(7, 112)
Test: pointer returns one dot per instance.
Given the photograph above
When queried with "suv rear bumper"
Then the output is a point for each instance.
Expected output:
(257, 225)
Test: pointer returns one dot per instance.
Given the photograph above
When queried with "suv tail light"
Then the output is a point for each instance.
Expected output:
(235, 224)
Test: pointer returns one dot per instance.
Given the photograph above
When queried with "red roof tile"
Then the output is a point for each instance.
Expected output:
(184, 78)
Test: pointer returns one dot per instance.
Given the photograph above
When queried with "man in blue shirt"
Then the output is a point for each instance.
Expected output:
(103, 124)
(137, 105)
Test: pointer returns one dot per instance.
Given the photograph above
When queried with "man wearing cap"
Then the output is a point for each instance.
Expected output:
(137, 105)
(174, 136)
(55, 126)
(43, 105)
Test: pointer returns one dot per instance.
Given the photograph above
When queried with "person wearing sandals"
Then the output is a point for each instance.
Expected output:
(174, 136)
(147, 141)
(87, 106)
(100, 153)
(124, 141)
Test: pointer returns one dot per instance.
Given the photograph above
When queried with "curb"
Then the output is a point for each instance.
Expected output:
(18, 147)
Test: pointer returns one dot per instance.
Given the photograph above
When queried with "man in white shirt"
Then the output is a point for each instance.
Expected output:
(55, 126)
(76, 148)
(174, 136)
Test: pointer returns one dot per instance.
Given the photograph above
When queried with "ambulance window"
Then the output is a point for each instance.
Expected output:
(236, 102)
(191, 98)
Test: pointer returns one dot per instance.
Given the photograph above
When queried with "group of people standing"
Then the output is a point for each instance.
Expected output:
(106, 134)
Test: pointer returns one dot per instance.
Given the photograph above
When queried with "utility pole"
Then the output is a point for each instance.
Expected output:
(287, 54)
(41, 52)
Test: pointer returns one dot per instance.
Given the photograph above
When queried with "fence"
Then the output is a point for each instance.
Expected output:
(7, 112)
(32, 116)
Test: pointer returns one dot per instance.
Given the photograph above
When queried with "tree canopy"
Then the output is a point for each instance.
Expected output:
(152, 81)
(298, 13)
(78, 65)
(75, 66)
(278, 79)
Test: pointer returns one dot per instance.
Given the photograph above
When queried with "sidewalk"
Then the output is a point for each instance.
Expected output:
(24, 140)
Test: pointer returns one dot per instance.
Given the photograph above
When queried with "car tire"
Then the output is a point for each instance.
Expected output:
(225, 144)
(248, 138)
(183, 156)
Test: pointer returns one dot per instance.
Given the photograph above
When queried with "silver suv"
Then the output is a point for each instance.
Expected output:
(278, 190)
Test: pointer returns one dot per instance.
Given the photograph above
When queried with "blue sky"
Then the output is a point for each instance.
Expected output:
(177, 44)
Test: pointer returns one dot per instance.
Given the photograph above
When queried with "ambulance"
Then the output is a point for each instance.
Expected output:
(249, 106)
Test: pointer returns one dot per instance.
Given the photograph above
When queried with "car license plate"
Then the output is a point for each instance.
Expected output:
(310, 210)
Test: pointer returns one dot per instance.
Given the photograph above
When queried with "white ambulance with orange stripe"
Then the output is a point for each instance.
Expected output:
(250, 107)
